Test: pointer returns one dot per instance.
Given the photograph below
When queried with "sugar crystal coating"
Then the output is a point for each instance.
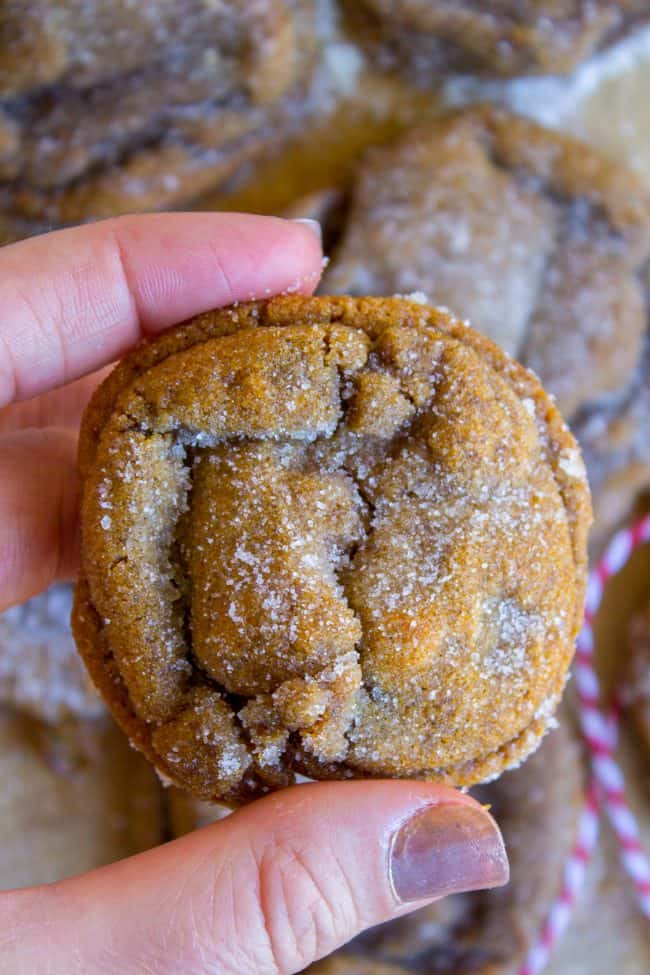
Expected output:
(347, 537)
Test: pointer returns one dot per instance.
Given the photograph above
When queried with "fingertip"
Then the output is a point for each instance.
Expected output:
(294, 252)
(312, 225)
(199, 261)
(309, 254)
(429, 840)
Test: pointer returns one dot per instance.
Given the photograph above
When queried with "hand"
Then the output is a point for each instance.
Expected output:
(289, 878)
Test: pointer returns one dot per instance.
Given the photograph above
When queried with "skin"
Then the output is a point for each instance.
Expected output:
(291, 877)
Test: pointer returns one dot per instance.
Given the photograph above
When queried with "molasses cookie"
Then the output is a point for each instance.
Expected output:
(74, 797)
(138, 107)
(534, 238)
(490, 932)
(40, 670)
(336, 536)
(500, 37)
(82, 43)
(542, 245)
(615, 440)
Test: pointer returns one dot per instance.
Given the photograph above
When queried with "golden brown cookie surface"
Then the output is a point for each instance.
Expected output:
(500, 37)
(336, 536)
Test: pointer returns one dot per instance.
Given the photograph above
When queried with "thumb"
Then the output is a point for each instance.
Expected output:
(266, 891)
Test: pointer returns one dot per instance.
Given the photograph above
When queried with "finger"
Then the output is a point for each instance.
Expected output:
(60, 407)
(269, 890)
(76, 299)
(38, 512)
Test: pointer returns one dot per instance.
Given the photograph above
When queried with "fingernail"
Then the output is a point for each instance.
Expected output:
(313, 225)
(447, 849)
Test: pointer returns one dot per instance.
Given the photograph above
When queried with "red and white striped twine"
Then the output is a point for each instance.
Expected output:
(607, 788)
(600, 730)
(559, 915)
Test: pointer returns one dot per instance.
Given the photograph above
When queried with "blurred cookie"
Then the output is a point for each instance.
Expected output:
(499, 37)
(82, 43)
(143, 106)
(543, 246)
(74, 797)
(40, 670)
(615, 440)
(535, 239)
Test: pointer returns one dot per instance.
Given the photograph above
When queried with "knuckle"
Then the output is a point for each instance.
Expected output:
(217, 932)
(306, 904)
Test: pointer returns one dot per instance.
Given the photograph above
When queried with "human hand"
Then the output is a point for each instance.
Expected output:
(287, 879)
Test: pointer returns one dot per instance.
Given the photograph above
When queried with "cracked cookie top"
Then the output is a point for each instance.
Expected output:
(335, 536)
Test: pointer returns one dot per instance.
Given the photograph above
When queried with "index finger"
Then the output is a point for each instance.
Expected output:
(74, 300)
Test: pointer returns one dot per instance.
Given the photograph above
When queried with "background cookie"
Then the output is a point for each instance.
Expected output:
(538, 241)
(429, 37)
(41, 672)
(74, 797)
(139, 107)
